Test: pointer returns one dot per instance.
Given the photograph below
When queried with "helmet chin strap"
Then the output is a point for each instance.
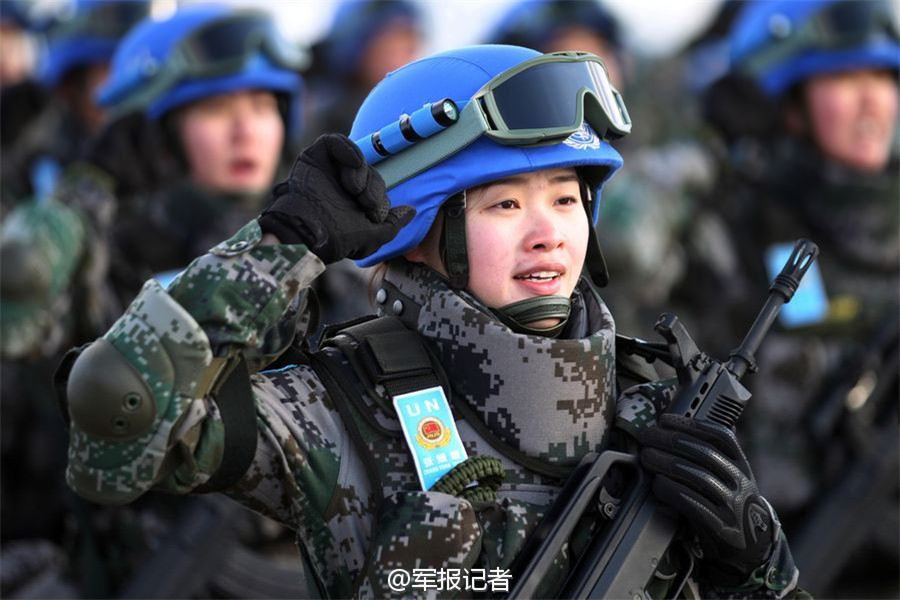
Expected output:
(594, 263)
(520, 315)
(453, 241)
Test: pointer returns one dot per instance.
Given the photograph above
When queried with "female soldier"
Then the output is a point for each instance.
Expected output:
(486, 307)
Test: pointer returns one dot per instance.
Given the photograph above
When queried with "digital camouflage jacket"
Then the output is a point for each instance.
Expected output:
(550, 400)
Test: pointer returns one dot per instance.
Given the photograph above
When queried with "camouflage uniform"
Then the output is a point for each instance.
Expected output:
(243, 299)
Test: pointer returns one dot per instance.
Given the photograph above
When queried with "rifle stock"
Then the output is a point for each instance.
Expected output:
(623, 556)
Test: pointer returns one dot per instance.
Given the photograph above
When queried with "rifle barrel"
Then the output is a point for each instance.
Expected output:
(780, 292)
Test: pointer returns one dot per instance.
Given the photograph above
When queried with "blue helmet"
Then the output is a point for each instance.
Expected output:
(458, 74)
(356, 23)
(202, 50)
(532, 23)
(87, 35)
(782, 42)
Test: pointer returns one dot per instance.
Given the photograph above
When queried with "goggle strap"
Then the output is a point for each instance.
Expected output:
(404, 165)
(456, 257)
(773, 54)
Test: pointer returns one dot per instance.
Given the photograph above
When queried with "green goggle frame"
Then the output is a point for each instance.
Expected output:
(541, 101)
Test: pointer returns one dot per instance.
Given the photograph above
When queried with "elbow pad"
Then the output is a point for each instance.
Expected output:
(134, 394)
(108, 398)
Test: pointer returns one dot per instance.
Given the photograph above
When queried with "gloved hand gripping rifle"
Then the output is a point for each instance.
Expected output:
(623, 556)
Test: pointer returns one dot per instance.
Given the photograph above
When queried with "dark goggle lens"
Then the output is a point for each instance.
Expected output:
(233, 39)
(108, 20)
(531, 99)
(121, 15)
(858, 19)
(225, 40)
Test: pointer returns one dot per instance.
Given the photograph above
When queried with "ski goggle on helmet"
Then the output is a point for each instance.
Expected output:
(541, 101)
(462, 118)
(783, 42)
(193, 54)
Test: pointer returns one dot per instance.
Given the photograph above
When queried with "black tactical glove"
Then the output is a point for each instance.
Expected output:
(334, 203)
(701, 471)
(134, 152)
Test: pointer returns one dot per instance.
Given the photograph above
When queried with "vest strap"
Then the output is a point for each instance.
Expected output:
(238, 409)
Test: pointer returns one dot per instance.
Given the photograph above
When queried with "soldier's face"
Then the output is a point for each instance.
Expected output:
(397, 44)
(852, 116)
(232, 141)
(584, 39)
(526, 237)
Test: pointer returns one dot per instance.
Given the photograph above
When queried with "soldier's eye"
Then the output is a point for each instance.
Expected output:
(507, 204)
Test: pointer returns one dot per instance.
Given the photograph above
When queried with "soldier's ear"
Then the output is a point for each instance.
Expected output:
(428, 252)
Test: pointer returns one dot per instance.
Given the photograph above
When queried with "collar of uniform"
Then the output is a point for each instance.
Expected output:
(552, 399)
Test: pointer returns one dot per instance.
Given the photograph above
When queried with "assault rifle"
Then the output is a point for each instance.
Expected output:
(626, 552)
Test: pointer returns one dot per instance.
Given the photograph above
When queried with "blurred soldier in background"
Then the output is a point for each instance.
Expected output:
(557, 26)
(201, 102)
(368, 39)
(646, 206)
(809, 113)
(46, 122)
(18, 51)
(21, 97)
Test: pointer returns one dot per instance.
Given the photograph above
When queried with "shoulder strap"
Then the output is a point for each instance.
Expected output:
(341, 395)
(386, 355)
